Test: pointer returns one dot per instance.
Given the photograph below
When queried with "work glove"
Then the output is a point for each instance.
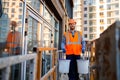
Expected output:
(63, 50)
(83, 51)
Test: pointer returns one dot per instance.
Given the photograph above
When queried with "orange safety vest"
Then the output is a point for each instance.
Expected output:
(73, 44)
(13, 41)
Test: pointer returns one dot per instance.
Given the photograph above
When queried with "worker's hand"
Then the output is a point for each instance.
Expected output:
(83, 51)
(63, 50)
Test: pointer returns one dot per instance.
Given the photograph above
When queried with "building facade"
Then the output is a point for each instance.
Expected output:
(98, 15)
(77, 14)
(40, 23)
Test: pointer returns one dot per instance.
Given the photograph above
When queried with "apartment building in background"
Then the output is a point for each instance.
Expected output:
(77, 14)
(98, 16)
(95, 16)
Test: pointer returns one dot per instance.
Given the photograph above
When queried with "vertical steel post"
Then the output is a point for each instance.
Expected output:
(23, 72)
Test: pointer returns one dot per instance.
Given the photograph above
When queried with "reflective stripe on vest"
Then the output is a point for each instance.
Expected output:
(79, 39)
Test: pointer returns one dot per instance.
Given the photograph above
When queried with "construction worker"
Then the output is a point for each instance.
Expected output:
(73, 45)
(13, 40)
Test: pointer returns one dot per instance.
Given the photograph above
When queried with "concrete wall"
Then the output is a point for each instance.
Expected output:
(108, 53)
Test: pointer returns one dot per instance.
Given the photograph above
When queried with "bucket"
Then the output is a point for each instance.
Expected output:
(83, 66)
(64, 66)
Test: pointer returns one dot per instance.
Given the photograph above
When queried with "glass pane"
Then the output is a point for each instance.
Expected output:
(35, 4)
(56, 34)
(47, 15)
(46, 37)
(46, 61)
(30, 66)
(41, 9)
(11, 28)
(15, 72)
(32, 34)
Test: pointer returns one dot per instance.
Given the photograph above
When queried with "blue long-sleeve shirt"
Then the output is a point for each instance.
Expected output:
(63, 43)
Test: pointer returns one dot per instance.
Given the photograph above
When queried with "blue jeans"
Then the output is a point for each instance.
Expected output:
(73, 71)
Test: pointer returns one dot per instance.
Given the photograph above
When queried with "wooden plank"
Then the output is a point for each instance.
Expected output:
(39, 65)
(46, 48)
(49, 73)
(54, 56)
(8, 61)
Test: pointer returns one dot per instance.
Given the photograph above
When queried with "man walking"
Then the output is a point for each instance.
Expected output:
(73, 45)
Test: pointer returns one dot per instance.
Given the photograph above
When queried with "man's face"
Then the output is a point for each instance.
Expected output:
(72, 26)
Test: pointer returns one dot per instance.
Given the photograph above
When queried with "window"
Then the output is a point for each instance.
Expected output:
(20, 10)
(6, 4)
(6, 10)
(48, 16)
(85, 22)
(108, 7)
(92, 23)
(85, 15)
(85, 2)
(116, 12)
(108, 0)
(109, 14)
(92, 2)
(101, 1)
(101, 14)
(20, 4)
(13, 10)
(85, 9)
(20, 16)
(101, 7)
(12, 16)
(101, 28)
(85, 35)
(13, 3)
(116, 5)
(85, 28)
(92, 9)
(109, 21)
(101, 21)
(92, 36)
(93, 15)
(92, 29)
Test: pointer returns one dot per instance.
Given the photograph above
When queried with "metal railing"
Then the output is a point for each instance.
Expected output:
(36, 73)
(7, 62)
